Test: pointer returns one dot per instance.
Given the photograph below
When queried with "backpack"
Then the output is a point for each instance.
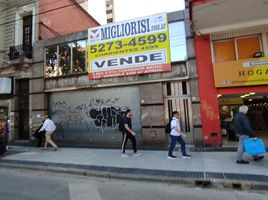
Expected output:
(121, 126)
(167, 127)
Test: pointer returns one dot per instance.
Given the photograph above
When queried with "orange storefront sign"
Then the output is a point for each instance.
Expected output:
(244, 72)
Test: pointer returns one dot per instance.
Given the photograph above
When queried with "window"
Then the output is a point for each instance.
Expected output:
(79, 56)
(184, 88)
(66, 59)
(110, 20)
(109, 11)
(177, 37)
(6, 85)
(51, 62)
(236, 49)
(224, 51)
(27, 36)
(168, 88)
(246, 47)
(180, 88)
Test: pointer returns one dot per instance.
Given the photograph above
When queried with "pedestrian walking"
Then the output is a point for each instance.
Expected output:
(3, 134)
(7, 132)
(243, 130)
(49, 127)
(176, 135)
(129, 134)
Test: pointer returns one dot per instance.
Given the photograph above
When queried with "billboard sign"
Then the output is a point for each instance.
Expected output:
(138, 46)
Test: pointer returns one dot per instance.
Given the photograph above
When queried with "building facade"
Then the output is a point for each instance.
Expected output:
(109, 10)
(87, 112)
(23, 24)
(19, 28)
(231, 54)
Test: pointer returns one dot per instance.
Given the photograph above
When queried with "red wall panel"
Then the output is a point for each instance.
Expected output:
(208, 93)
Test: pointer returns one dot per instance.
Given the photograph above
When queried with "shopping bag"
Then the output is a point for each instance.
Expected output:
(254, 146)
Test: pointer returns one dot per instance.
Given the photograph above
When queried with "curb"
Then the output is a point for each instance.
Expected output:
(195, 179)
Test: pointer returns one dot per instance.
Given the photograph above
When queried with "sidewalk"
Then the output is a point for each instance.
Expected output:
(204, 169)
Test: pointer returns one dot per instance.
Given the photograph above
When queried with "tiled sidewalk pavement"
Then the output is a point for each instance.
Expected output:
(204, 166)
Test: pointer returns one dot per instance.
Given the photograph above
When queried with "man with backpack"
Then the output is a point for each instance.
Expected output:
(176, 135)
(128, 134)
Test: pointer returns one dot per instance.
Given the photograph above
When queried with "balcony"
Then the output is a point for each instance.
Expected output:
(20, 56)
(20, 51)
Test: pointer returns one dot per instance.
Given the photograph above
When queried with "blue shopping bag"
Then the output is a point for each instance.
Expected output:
(254, 146)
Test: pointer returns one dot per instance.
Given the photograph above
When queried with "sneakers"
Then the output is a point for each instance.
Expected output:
(186, 156)
(242, 162)
(137, 154)
(172, 157)
(258, 158)
(55, 148)
(124, 155)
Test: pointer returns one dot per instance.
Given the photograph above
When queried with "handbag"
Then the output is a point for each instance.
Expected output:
(37, 134)
(254, 146)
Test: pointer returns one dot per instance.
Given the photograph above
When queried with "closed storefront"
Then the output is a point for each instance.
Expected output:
(88, 83)
(94, 115)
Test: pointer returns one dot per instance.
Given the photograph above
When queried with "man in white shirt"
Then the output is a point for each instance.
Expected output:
(176, 135)
(49, 127)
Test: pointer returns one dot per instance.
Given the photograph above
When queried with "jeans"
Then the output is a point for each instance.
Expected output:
(174, 139)
(240, 148)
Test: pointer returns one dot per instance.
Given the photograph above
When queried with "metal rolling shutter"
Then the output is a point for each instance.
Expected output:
(93, 115)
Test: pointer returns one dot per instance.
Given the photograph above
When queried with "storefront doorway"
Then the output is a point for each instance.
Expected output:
(257, 113)
(23, 107)
(177, 98)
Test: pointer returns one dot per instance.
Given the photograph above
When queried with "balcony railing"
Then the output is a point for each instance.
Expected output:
(18, 51)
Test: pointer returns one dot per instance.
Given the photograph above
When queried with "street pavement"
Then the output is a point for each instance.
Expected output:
(205, 168)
